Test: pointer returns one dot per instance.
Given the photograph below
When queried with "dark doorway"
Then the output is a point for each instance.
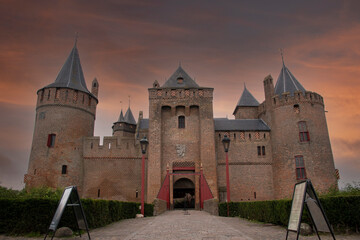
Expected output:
(181, 188)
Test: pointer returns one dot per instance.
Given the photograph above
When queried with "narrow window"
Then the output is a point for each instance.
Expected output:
(264, 136)
(109, 145)
(296, 108)
(48, 94)
(89, 101)
(250, 136)
(57, 94)
(83, 100)
(303, 132)
(42, 96)
(137, 193)
(91, 145)
(63, 169)
(254, 195)
(300, 168)
(234, 136)
(181, 121)
(51, 140)
(66, 95)
(263, 150)
(98, 192)
(94, 84)
(259, 150)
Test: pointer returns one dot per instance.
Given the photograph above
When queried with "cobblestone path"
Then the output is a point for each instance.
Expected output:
(197, 225)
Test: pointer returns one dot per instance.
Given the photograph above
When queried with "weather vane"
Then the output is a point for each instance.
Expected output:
(76, 37)
(282, 55)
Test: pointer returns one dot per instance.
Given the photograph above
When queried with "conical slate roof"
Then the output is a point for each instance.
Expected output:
(180, 79)
(71, 74)
(129, 117)
(121, 117)
(247, 99)
(287, 82)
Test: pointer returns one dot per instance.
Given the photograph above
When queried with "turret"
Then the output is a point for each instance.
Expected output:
(300, 139)
(125, 125)
(247, 106)
(65, 114)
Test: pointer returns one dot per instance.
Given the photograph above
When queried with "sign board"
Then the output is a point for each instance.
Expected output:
(297, 206)
(304, 194)
(60, 209)
(70, 198)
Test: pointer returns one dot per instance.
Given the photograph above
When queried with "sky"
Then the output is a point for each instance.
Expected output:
(128, 44)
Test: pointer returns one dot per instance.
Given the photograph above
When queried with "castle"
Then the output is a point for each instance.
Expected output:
(274, 144)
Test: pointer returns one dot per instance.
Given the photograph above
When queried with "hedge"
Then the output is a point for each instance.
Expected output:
(21, 216)
(343, 212)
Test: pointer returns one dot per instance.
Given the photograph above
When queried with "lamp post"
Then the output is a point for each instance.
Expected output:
(226, 143)
(143, 143)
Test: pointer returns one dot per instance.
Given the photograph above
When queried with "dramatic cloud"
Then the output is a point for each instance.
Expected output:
(130, 43)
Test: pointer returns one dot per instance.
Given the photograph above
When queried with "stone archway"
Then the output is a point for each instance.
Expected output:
(181, 187)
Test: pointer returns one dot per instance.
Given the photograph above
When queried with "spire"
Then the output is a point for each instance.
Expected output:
(180, 79)
(247, 99)
(71, 74)
(286, 82)
(129, 117)
(121, 117)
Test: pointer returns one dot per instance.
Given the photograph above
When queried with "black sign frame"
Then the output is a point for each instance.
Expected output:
(307, 196)
(69, 198)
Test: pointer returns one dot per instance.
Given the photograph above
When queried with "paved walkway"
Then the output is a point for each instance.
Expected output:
(197, 225)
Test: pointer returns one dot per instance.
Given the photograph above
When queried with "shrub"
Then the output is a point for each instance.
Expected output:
(25, 215)
(342, 211)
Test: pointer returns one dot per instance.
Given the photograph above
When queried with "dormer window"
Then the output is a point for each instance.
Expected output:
(180, 80)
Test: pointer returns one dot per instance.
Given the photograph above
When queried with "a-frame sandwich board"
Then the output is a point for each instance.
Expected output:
(304, 194)
(70, 198)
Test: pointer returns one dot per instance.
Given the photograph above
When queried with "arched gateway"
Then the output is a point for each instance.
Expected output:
(178, 183)
(182, 188)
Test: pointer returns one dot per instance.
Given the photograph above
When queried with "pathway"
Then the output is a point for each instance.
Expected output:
(197, 225)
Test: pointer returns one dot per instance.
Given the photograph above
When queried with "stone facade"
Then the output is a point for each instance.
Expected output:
(184, 138)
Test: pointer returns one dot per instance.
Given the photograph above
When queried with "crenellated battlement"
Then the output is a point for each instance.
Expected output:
(66, 97)
(180, 93)
(113, 146)
(287, 99)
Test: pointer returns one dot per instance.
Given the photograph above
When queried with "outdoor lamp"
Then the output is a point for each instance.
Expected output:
(226, 143)
(144, 143)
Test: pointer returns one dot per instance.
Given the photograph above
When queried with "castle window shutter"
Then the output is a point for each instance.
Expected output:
(300, 168)
(51, 140)
(303, 132)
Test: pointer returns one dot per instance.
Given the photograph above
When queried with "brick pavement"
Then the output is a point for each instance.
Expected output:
(194, 225)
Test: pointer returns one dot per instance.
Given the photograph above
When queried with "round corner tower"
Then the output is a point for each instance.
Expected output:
(300, 140)
(65, 114)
